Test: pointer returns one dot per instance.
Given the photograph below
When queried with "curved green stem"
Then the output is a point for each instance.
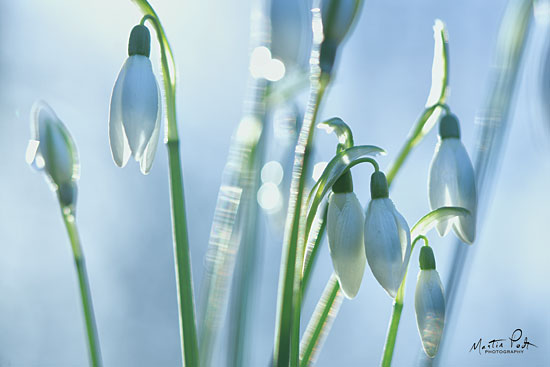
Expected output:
(85, 295)
(396, 312)
(184, 282)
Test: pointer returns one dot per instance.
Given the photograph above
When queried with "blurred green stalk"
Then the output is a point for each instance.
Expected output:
(288, 309)
(85, 295)
(184, 281)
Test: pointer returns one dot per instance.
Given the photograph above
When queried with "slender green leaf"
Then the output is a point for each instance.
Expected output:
(436, 98)
(429, 221)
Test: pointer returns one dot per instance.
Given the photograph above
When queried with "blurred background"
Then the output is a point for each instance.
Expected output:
(69, 53)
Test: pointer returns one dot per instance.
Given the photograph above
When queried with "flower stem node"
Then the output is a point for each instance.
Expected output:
(345, 238)
(427, 259)
(378, 185)
(429, 301)
(140, 41)
(66, 193)
(451, 181)
(135, 113)
(387, 238)
(449, 127)
(344, 183)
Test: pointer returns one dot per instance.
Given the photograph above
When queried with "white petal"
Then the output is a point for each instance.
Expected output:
(151, 149)
(120, 149)
(385, 252)
(465, 227)
(56, 147)
(404, 237)
(345, 237)
(430, 310)
(442, 181)
(140, 103)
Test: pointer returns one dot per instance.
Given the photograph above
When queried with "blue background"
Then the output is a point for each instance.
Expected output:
(69, 54)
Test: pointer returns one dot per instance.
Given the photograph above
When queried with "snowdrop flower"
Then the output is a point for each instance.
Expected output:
(134, 121)
(387, 237)
(53, 150)
(429, 302)
(345, 235)
(452, 181)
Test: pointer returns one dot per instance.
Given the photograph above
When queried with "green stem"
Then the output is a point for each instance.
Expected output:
(392, 333)
(396, 312)
(287, 333)
(184, 281)
(411, 142)
(85, 295)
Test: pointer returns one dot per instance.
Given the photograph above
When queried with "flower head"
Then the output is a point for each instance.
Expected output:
(387, 237)
(451, 180)
(134, 121)
(345, 236)
(429, 302)
(53, 150)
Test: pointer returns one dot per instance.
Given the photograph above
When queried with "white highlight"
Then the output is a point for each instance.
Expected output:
(318, 170)
(272, 172)
(269, 197)
(262, 65)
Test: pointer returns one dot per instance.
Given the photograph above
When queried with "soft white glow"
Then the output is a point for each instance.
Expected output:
(263, 66)
(39, 161)
(269, 197)
(272, 172)
(32, 148)
(317, 26)
(259, 59)
(318, 170)
(275, 70)
(249, 130)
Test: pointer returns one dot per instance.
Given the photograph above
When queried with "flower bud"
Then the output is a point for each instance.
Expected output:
(53, 150)
(451, 181)
(337, 17)
(345, 239)
(429, 302)
(387, 237)
(135, 113)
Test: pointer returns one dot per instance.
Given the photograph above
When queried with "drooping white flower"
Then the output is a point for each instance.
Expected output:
(52, 149)
(345, 238)
(451, 180)
(429, 301)
(387, 237)
(134, 121)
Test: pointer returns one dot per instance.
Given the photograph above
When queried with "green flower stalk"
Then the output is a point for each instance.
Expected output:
(53, 150)
(184, 281)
